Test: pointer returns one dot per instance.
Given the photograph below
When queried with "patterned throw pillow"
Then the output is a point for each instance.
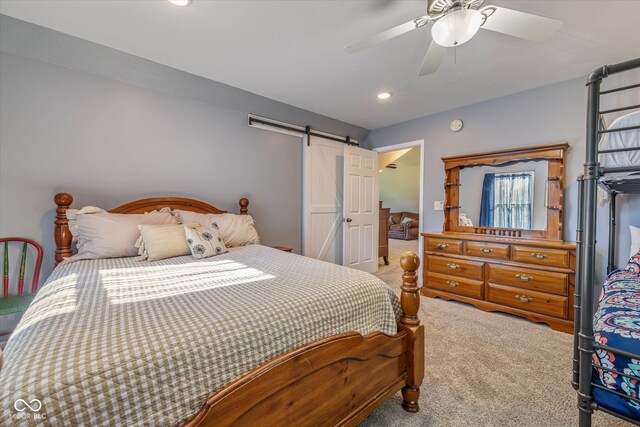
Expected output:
(235, 230)
(204, 241)
(634, 263)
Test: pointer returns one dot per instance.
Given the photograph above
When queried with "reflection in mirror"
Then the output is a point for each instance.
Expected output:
(506, 196)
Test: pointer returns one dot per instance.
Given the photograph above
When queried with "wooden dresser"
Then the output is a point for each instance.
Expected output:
(383, 234)
(530, 278)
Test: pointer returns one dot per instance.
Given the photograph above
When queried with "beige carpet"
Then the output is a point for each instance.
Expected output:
(485, 369)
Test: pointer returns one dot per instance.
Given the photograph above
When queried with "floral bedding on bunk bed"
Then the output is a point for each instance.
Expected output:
(617, 324)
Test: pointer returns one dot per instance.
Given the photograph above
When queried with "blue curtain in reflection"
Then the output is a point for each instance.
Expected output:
(507, 200)
(487, 203)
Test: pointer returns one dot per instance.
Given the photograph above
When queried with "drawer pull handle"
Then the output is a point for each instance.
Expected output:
(539, 255)
(486, 250)
(524, 277)
(524, 299)
(453, 266)
(453, 284)
(443, 245)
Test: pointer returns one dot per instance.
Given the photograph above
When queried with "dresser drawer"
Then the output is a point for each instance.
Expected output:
(487, 250)
(543, 281)
(449, 246)
(542, 256)
(537, 302)
(455, 285)
(456, 267)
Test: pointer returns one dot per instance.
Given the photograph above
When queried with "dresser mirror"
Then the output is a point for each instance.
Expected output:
(512, 193)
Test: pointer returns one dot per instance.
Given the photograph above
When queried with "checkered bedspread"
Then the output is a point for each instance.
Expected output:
(127, 342)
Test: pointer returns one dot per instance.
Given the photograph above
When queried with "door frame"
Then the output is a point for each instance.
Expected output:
(401, 146)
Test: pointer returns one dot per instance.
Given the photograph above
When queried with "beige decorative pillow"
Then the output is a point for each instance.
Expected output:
(203, 241)
(101, 234)
(235, 230)
(73, 224)
(158, 242)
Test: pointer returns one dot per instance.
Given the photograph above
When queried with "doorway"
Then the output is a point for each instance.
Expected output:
(401, 180)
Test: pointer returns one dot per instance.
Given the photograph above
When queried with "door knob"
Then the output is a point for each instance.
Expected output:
(348, 220)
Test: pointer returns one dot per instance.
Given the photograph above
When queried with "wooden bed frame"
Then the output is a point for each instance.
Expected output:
(338, 380)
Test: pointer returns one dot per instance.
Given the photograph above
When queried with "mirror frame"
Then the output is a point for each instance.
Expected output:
(553, 153)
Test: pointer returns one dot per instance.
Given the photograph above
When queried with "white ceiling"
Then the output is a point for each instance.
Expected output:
(291, 51)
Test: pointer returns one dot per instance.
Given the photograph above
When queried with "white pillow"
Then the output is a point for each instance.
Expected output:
(73, 224)
(235, 230)
(158, 242)
(101, 234)
(203, 241)
(635, 240)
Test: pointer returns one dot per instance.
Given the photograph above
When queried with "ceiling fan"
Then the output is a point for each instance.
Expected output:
(457, 21)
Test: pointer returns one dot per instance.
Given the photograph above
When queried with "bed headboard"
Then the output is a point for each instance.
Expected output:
(63, 237)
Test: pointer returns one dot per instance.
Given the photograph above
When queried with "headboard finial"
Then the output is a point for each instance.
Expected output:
(63, 199)
(61, 232)
(244, 204)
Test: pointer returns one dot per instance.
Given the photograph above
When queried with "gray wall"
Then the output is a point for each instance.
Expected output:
(539, 116)
(148, 130)
(472, 179)
(400, 188)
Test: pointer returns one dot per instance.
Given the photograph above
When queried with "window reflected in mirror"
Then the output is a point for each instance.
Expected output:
(506, 196)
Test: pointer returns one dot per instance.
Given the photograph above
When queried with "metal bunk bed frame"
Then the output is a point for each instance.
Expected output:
(584, 344)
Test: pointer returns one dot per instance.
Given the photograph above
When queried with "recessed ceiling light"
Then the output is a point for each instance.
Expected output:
(384, 95)
(181, 2)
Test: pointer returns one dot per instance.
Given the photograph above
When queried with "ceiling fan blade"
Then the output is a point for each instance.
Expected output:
(396, 31)
(519, 24)
(432, 59)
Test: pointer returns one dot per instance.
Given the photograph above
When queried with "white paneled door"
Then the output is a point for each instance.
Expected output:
(340, 203)
(360, 209)
(323, 199)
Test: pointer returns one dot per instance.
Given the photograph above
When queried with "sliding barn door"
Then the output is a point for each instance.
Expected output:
(323, 199)
(360, 209)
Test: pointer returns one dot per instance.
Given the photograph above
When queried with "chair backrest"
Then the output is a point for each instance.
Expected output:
(23, 265)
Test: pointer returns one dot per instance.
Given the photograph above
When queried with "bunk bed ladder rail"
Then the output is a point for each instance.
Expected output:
(576, 304)
(611, 258)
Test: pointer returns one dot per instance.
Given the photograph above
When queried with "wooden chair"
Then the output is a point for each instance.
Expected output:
(10, 304)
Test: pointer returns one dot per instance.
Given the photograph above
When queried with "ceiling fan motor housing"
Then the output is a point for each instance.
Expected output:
(438, 8)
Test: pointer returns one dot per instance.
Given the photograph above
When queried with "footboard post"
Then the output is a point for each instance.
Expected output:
(410, 301)
(61, 232)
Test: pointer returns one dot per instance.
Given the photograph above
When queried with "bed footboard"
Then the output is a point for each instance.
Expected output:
(335, 381)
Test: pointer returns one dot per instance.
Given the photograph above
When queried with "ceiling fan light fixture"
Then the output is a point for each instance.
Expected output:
(456, 28)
